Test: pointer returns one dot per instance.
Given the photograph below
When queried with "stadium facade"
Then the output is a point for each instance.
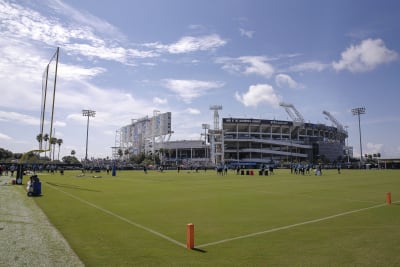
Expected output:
(266, 141)
(241, 141)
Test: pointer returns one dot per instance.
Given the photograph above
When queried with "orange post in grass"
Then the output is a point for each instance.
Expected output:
(190, 236)
(388, 198)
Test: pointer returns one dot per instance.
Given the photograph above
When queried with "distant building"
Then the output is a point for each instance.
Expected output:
(240, 141)
(185, 152)
(141, 135)
(266, 141)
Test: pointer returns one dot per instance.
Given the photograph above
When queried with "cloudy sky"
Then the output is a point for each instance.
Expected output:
(126, 58)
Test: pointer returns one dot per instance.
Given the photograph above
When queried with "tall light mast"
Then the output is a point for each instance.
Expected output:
(216, 115)
(216, 138)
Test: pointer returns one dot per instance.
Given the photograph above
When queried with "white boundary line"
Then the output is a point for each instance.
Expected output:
(121, 218)
(291, 226)
(223, 240)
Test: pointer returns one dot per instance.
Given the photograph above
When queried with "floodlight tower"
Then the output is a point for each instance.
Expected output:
(205, 127)
(216, 138)
(87, 113)
(216, 115)
(358, 112)
(347, 145)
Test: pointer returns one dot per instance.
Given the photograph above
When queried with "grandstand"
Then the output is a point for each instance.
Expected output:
(266, 141)
(240, 141)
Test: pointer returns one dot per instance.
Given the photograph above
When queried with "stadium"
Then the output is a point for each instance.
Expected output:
(240, 141)
(256, 141)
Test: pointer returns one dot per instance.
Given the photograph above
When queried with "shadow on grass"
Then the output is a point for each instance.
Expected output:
(199, 250)
(72, 187)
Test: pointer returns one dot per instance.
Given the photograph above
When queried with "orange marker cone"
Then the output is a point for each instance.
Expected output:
(190, 236)
(388, 198)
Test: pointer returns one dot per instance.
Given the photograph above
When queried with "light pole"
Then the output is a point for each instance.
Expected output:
(347, 145)
(358, 112)
(87, 113)
(205, 127)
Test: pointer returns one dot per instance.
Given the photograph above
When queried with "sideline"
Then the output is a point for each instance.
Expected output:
(27, 238)
(292, 225)
(120, 217)
(223, 240)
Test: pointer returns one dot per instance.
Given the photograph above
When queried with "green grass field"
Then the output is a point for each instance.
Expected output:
(134, 219)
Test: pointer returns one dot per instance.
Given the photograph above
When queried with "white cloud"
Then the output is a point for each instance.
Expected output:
(257, 94)
(85, 18)
(97, 50)
(189, 44)
(160, 101)
(4, 137)
(25, 119)
(77, 37)
(73, 72)
(284, 80)
(190, 89)
(366, 56)
(246, 33)
(193, 111)
(257, 65)
(309, 66)
(6, 116)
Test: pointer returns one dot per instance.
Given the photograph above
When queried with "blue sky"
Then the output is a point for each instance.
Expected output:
(125, 59)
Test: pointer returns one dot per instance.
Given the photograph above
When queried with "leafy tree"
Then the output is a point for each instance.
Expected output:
(70, 160)
(29, 157)
(137, 159)
(5, 154)
(73, 152)
(17, 155)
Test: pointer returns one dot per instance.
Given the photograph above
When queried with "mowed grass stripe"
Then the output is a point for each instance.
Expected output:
(119, 217)
(224, 208)
(290, 226)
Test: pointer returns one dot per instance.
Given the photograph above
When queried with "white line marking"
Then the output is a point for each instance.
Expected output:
(122, 218)
(290, 226)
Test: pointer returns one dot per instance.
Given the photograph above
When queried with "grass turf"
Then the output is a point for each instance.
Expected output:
(109, 221)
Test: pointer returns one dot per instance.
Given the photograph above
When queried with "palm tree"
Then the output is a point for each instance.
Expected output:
(53, 142)
(39, 138)
(126, 153)
(45, 138)
(59, 142)
(73, 152)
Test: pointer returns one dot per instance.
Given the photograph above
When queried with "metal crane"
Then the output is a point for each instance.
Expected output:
(293, 112)
(339, 126)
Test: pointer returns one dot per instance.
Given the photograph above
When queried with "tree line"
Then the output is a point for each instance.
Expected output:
(53, 141)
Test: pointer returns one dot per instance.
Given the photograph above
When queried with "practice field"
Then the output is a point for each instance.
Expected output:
(137, 219)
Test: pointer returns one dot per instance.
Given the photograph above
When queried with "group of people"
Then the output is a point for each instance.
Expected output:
(306, 169)
(222, 170)
(300, 168)
(4, 169)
